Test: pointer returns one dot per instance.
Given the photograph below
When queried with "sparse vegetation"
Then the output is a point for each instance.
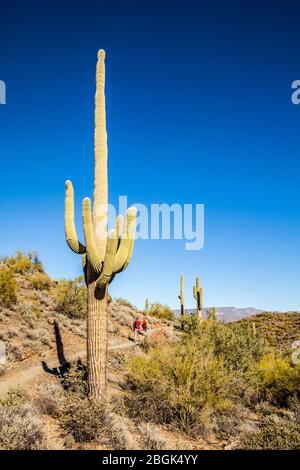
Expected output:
(23, 263)
(210, 379)
(39, 281)
(201, 382)
(82, 418)
(20, 428)
(50, 399)
(125, 302)
(279, 329)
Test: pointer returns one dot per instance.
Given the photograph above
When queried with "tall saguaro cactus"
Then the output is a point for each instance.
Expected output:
(197, 291)
(103, 254)
(181, 296)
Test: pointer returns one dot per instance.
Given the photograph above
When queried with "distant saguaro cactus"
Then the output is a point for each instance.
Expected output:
(197, 291)
(146, 305)
(181, 296)
(104, 254)
(212, 314)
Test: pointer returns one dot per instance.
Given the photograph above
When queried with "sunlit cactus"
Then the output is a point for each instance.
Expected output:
(146, 305)
(197, 291)
(103, 254)
(181, 296)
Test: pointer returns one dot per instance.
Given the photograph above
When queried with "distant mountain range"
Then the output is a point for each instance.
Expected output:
(226, 314)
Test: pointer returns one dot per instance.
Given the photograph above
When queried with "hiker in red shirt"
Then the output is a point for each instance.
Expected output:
(136, 328)
(145, 325)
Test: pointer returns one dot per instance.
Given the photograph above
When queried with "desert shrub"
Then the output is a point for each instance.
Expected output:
(16, 352)
(160, 311)
(23, 263)
(176, 384)
(30, 313)
(50, 399)
(119, 433)
(71, 298)
(20, 428)
(274, 434)
(74, 380)
(278, 380)
(150, 437)
(125, 302)
(82, 418)
(189, 384)
(187, 323)
(8, 288)
(14, 397)
(12, 332)
(237, 344)
(39, 281)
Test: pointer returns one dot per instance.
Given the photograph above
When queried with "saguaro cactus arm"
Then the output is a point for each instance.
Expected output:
(124, 253)
(110, 253)
(195, 292)
(88, 229)
(70, 228)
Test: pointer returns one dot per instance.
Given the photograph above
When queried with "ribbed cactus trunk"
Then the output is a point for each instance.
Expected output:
(103, 255)
(97, 342)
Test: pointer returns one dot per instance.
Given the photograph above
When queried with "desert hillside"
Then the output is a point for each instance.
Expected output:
(279, 329)
(183, 385)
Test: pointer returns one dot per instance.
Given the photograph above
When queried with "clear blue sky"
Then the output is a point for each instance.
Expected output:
(199, 111)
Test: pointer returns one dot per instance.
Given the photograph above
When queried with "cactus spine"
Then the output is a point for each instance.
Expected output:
(103, 254)
(181, 296)
(197, 291)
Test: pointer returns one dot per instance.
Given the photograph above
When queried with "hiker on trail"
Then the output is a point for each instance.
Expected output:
(136, 328)
(145, 325)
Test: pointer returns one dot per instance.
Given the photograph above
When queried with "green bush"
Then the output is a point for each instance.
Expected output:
(8, 287)
(179, 384)
(71, 298)
(158, 310)
(199, 382)
(278, 380)
(237, 344)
